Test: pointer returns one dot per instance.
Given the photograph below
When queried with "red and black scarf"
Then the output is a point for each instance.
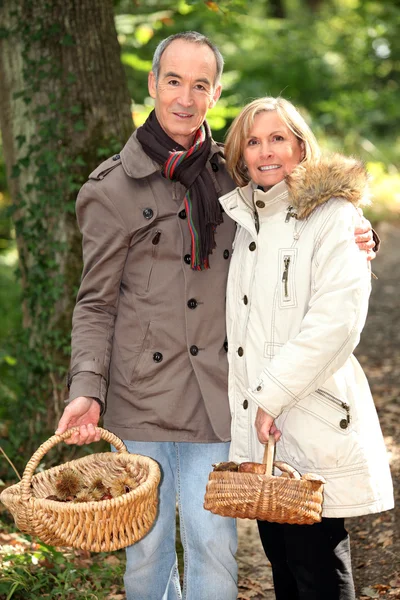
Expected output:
(188, 167)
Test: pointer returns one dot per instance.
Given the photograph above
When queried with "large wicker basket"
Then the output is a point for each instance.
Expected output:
(266, 497)
(96, 526)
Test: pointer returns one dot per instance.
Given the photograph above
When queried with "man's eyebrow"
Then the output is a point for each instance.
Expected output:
(176, 76)
(172, 74)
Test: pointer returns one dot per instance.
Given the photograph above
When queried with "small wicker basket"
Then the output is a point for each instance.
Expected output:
(266, 497)
(96, 526)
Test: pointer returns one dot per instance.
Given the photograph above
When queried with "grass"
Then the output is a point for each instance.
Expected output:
(32, 570)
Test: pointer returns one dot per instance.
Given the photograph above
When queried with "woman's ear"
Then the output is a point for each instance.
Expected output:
(303, 150)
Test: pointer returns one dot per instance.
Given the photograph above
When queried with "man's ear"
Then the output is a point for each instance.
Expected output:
(216, 95)
(151, 83)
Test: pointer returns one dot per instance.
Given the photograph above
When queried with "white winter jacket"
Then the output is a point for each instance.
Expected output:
(297, 300)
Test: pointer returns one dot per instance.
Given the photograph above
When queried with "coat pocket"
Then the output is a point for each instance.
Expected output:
(286, 282)
(155, 241)
(314, 434)
(144, 359)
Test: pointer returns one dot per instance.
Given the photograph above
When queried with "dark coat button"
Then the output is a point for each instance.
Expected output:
(252, 246)
(344, 424)
(226, 345)
(194, 350)
(192, 303)
(182, 214)
(226, 254)
(148, 213)
(187, 258)
(245, 299)
(240, 351)
(214, 167)
(260, 204)
(245, 404)
(116, 157)
(157, 357)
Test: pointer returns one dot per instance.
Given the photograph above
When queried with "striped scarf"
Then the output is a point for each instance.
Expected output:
(203, 210)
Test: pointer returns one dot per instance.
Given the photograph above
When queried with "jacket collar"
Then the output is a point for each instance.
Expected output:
(306, 188)
(244, 200)
(332, 176)
(137, 164)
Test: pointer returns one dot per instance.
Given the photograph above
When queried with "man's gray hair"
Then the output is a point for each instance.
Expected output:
(188, 36)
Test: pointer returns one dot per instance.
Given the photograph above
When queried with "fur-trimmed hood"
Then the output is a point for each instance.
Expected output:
(335, 175)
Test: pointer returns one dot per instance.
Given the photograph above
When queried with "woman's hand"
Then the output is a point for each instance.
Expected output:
(265, 426)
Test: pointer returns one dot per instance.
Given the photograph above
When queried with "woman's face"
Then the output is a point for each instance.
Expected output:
(271, 150)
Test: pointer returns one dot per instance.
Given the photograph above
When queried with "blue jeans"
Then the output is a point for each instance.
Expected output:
(209, 541)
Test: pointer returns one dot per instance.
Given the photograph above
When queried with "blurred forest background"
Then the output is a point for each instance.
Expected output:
(73, 86)
(66, 103)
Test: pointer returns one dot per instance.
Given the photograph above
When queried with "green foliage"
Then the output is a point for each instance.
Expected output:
(10, 305)
(41, 571)
(5, 217)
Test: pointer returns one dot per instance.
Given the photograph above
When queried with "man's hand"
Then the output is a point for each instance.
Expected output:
(84, 413)
(364, 238)
(265, 426)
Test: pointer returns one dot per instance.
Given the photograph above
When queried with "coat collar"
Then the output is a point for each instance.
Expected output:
(311, 185)
(306, 188)
(247, 200)
(137, 164)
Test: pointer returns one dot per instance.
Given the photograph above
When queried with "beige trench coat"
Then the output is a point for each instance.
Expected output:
(148, 335)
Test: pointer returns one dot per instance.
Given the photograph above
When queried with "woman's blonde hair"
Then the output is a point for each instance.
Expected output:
(241, 126)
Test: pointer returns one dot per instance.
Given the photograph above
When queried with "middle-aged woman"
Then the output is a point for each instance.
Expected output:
(297, 300)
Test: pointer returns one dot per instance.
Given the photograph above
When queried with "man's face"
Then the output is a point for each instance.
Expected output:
(185, 89)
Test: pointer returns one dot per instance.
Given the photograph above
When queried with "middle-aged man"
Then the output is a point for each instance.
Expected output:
(148, 339)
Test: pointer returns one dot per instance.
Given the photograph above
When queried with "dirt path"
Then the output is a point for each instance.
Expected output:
(376, 538)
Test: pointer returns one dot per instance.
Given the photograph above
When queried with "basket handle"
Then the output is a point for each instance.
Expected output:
(26, 491)
(269, 453)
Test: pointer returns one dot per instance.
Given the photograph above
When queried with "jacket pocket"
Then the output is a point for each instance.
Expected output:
(144, 358)
(342, 406)
(155, 242)
(286, 282)
(313, 432)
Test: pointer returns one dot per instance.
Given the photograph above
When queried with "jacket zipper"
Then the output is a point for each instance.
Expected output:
(343, 405)
(290, 213)
(285, 275)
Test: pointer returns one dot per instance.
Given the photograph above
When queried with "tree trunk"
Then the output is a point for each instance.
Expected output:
(64, 107)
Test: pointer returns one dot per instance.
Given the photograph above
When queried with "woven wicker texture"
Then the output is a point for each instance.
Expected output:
(96, 526)
(266, 497)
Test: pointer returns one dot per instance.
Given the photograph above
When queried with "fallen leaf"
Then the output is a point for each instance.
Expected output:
(381, 587)
(385, 538)
(369, 592)
(112, 560)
